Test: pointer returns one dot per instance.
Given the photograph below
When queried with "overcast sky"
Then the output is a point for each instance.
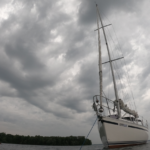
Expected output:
(49, 63)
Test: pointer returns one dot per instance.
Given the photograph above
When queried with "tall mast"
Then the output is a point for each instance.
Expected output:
(114, 81)
(100, 64)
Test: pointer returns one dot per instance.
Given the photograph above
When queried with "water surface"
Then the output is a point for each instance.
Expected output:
(92, 147)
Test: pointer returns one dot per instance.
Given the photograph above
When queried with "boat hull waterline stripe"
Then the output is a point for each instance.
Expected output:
(124, 145)
(117, 124)
(126, 142)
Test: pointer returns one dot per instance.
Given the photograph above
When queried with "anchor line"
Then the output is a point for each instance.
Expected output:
(88, 133)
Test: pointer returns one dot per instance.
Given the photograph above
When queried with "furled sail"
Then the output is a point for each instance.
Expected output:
(125, 108)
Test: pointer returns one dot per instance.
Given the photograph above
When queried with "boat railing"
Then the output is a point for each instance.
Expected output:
(143, 121)
(108, 106)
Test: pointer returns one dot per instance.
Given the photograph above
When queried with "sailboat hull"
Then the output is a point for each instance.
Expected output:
(116, 133)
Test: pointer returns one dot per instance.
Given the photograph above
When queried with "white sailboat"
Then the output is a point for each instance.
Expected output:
(116, 130)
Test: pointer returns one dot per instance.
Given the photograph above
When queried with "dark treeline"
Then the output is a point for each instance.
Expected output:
(41, 140)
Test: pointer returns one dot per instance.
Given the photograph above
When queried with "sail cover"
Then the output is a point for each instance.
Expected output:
(125, 108)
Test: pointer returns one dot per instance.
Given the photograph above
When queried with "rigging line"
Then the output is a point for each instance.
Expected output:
(117, 51)
(124, 96)
(124, 62)
(125, 67)
(108, 86)
(118, 74)
(116, 70)
(115, 65)
(110, 44)
(88, 133)
(106, 101)
(130, 102)
(128, 79)
(119, 83)
(122, 85)
(104, 94)
(111, 38)
(129, 89)
(130, 85)
(116, 62)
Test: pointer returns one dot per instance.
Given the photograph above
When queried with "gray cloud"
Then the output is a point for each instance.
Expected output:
(49, 62)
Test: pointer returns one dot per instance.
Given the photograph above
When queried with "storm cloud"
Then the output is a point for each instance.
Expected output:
(49, 63)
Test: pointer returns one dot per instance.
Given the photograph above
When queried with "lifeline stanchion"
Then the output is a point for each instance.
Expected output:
(88, 133)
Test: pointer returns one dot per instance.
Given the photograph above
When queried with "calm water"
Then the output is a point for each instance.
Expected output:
(93, 147)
